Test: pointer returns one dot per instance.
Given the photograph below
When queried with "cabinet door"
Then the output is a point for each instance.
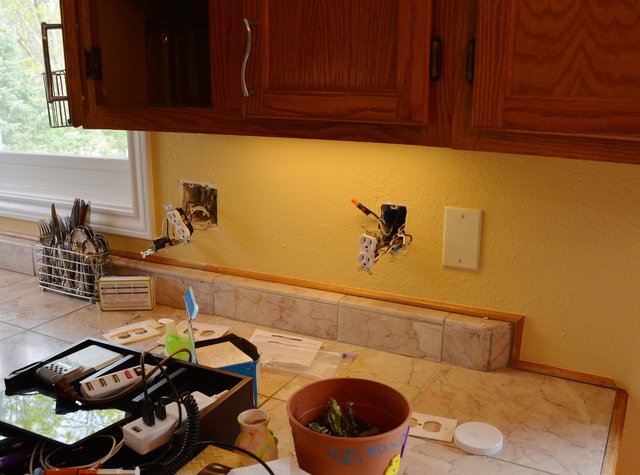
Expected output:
(343, 60)
(558, 67)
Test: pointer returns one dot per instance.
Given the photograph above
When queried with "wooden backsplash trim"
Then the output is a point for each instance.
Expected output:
(517, 320)
(565, 373)
(610, 463)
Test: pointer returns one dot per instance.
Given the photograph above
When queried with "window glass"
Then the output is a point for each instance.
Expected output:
(40, 165)
(24, 123)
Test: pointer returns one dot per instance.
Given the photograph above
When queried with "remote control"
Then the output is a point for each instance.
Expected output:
(77, 365)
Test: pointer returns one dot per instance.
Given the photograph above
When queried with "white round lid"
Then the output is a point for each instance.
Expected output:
(478, 438)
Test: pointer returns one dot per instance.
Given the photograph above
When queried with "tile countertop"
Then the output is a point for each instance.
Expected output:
(550, 425)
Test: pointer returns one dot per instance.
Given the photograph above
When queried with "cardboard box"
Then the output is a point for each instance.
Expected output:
(248, 368)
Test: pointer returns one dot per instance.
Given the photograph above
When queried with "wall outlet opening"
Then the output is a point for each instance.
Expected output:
(200, 203)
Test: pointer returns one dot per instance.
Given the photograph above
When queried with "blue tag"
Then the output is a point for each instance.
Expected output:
(192, 305)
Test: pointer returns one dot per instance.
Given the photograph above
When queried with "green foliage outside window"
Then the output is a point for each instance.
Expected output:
(24, 123)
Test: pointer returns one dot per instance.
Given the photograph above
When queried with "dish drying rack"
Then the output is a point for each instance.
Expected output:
(71, 272)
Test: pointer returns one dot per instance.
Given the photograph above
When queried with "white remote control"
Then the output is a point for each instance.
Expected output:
(112, 383)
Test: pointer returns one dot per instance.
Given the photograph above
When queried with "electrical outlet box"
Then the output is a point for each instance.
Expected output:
(200, 203)
(462, 228)
(394, 216)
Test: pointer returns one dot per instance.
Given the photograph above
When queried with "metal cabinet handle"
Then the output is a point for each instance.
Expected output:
(247, 52)
(44, 28)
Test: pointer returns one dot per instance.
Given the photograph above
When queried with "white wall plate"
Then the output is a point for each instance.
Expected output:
(134, 332)
(427, 426)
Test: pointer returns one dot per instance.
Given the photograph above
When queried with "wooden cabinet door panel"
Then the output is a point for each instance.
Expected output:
(558, 67)
(347, 60)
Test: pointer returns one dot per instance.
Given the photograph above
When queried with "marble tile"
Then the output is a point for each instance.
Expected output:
(501, 342)
(25, 348)
(224, 296)
(16, 254)
(279, 289)
(401, 329)
(434, 458)
(271, 380)
(90, 322)
(8, 277)
(407, 375)
(170, 291)
(309, 314)
(7, 330)
(170, 283)
(549, 424)
(467, 342)
(26, 305)
(437, 317)
(293, 385)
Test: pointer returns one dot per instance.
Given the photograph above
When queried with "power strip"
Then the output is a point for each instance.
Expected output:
(112, 383)
(142, 438)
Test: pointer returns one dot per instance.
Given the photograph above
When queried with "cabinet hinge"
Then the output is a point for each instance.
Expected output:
(435, 62)
(93, 63)
(471, 59)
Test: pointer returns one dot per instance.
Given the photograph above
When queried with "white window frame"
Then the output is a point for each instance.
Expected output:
(40, 179)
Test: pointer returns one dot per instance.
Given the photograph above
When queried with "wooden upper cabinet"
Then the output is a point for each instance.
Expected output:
(561, 67)
(342, 60)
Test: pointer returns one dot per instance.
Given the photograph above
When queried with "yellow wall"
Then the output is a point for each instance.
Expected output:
(560, 240)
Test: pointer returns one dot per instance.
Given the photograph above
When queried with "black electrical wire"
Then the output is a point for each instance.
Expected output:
(232, 447)
(188, 447)
(166, 376)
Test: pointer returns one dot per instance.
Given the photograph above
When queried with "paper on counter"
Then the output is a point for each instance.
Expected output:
(284, 349)
(201, 331)
(222, 354)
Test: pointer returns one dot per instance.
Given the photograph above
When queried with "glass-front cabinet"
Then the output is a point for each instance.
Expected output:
(260, 66)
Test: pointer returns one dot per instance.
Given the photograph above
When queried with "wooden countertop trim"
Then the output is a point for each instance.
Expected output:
(609, 465)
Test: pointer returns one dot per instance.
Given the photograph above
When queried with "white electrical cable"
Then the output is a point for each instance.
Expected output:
(45, 460)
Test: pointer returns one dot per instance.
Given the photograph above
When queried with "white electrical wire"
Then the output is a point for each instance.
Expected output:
(45, 460)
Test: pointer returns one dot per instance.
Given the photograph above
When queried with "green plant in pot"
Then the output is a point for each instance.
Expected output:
(340, 422)
(358, 406)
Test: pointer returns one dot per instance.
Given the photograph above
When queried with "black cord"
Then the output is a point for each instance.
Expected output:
(166, 376)
(222, 445)
(188, 447)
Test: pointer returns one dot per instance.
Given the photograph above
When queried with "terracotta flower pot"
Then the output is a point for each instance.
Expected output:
(375, 403)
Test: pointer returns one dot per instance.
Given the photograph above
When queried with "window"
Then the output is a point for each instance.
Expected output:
(40, 165)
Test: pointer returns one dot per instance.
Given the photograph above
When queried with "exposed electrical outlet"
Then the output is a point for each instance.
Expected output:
(200, 203)
(182, 229)
(366, 260)
(368, 249)
(368, 243)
